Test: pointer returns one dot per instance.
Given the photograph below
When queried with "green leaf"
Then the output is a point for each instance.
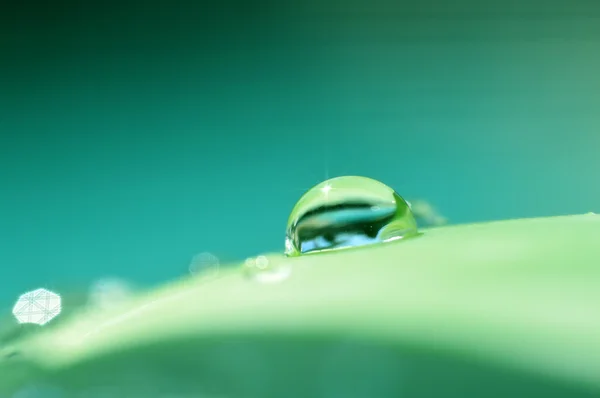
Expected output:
(508, 308)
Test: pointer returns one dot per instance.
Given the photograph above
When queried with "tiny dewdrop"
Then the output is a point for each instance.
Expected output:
(205, 264)
(347, 212)
(267, 270)
(109, 292)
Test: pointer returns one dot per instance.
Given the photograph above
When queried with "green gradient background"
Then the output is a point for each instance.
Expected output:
(133, 137)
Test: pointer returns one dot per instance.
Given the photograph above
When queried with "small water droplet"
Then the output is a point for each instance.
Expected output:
(262, 262)
(205, 263)
(347, 212)
(109, 292)
(425, 214)
(267, 270)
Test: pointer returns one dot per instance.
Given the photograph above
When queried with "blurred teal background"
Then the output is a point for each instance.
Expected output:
(135, 135)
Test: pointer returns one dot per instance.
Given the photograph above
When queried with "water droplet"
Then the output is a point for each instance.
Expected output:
(347, 212)
(262, 262)
(267, 270)
(109, 292)
(205, 263)
(425, 214)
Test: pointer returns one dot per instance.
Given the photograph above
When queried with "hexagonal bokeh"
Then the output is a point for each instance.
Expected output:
(39, 306)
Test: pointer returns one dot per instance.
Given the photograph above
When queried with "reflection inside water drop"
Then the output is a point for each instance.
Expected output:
(347, 212)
